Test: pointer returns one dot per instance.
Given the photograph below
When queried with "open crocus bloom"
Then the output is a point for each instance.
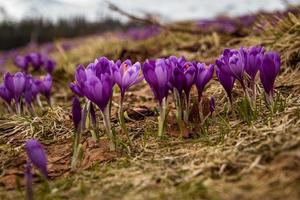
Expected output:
(126, 75)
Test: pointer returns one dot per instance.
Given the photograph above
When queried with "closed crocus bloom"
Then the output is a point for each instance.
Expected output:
(157, 74)
(237, 65)
(126, 75)
(253, 60)
(204, 75)
(45, 85)
(49, 65)
(37, 155)
(31, 90)
(98, 90)
(80, 78)
(5, 94)
(35, 60)
(76, 112)
(15, 84)
(22, 62)
(227, 81)
(269, 70)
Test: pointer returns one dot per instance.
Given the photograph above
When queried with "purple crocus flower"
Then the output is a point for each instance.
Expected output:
(35, 60)
(232, 62)
(37, 155)
(49, 65)
(227, 81)
(15, 84)
(76, 112)
(98, 89)
(253, 60)
(268, 71)
(31, 89)
(80, 78)
(22, 62)
(126, 75)
(45, 85)
(183, 74)
(5, 94)
(157, 74)
(204, 75)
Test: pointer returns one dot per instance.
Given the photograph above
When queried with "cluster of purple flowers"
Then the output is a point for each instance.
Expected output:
(176, 75)
(243, 65)
(95, 83)
(36, 60)
(22, 88)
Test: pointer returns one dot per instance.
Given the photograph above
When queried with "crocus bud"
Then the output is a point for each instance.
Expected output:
(76, 112)
(37, 156)
(22, 62)
(49, 65)
(227, 81)
(269, 70)
(45, 85)
(204, 75)
(15, 84)
(157, 74)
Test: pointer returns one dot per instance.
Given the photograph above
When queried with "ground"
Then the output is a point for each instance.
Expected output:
(234, 158)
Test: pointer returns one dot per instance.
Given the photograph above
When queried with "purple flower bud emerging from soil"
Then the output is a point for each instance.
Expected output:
(253, 60)
(126, 75)
(15, 84)
(76, 112)
(157, 74)
(212, 104)
(22, 62)
(5, 94)
(204, 75)
(269, 70)
(37, 156)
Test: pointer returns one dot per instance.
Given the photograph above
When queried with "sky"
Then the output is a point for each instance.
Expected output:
(168, 10)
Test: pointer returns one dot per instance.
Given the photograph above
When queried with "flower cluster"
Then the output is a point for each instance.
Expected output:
(243, 65)
(21, 88)
(95, 83)
(36, 60)
(178, 76)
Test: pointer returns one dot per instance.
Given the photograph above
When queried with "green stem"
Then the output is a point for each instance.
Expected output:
(179, 112)
(162, 117)
(186, 113)
(106, 121)
(75, 148)
(122, 118)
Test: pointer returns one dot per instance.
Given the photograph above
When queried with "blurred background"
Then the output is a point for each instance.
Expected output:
(39, 21)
